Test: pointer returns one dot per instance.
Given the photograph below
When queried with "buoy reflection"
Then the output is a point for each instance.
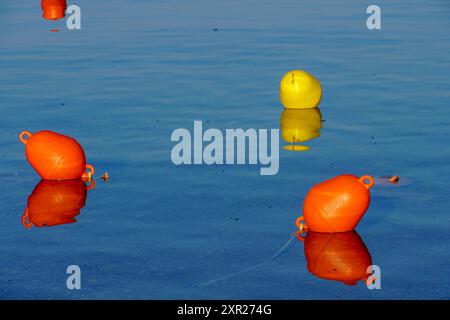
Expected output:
(339, 256)
(300, 125)
(55, 203)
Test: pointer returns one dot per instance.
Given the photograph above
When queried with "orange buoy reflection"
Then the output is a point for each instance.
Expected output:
(339, 256)
(53, 9)
(54, 203)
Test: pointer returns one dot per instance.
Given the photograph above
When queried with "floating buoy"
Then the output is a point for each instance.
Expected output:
(53, 9)
(339, 256)
(337, 204)
(55, 202)
(300, 90)
(55, 156)
(300, 125)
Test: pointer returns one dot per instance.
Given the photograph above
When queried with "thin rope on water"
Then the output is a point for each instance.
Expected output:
(272, 258)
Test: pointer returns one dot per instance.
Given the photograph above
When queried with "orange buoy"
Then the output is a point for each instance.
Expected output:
(55, 156)
(339, 256)
(53, 9)
(337, 204)
(55, 202)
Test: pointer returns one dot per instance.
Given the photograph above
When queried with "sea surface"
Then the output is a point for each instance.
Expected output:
(137, 70)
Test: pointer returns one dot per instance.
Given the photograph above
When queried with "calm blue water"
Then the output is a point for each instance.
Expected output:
(140, 69)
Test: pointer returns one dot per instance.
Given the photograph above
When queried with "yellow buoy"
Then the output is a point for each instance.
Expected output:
(300, 90)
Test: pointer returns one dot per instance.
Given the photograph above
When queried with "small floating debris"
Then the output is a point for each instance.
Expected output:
(394, 179)
(105, 177)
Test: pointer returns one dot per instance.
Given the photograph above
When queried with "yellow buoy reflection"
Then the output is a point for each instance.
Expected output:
(294, 147)
(300, 125)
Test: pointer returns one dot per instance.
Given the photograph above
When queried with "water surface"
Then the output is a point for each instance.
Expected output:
(138, 70)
